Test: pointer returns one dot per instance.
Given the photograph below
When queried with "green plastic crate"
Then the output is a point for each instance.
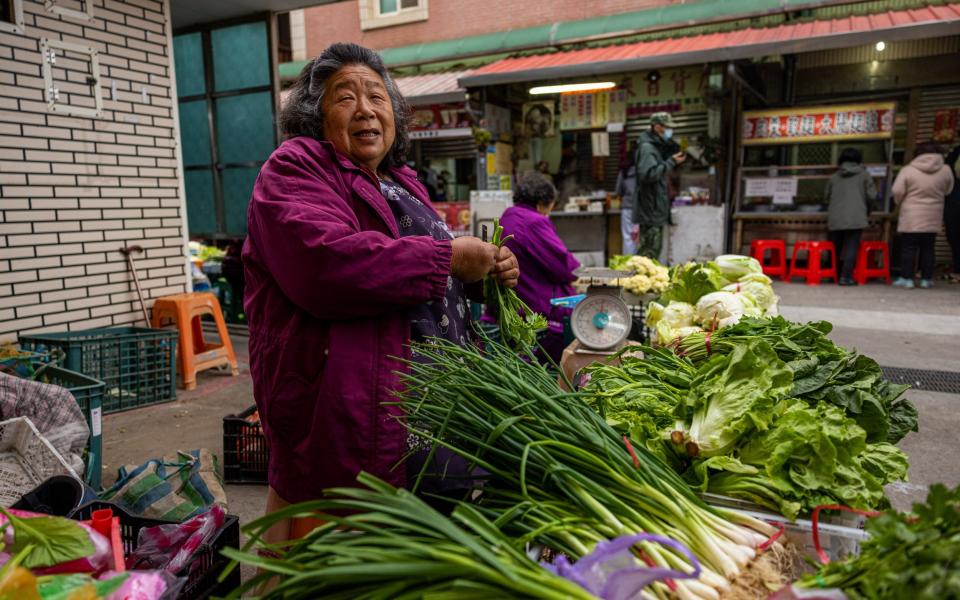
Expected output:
(88, 393)
(138, 365)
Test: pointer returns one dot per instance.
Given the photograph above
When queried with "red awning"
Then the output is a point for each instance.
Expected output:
(931, 21)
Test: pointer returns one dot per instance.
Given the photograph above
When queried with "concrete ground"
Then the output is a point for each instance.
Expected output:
(903, 328)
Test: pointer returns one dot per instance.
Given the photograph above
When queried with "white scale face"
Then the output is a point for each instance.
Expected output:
(602, 320)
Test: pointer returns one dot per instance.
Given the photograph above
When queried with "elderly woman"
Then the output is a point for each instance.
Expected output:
(545, 262)
(346, 263)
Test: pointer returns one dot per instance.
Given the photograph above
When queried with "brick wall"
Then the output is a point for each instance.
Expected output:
(451, 19)
(73, 190)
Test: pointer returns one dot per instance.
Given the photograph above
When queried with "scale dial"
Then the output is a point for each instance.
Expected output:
(601, 321)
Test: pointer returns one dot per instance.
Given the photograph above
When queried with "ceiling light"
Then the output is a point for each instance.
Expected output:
(881, 46)
(572, 87)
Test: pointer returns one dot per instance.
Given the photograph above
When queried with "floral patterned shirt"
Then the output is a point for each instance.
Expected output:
(449, 317)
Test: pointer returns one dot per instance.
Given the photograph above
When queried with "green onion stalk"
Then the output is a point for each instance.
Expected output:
(558, 475)
(381, 543)
(518, 323)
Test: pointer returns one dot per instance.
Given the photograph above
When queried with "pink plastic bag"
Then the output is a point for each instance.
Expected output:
(146, 585)
(100, 560)
(171, 547)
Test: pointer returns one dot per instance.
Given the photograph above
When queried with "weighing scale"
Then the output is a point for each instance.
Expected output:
(601, 321)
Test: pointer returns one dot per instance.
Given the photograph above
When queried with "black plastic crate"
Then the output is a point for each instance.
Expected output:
(245, 453)
(207, 564)
(139, 365)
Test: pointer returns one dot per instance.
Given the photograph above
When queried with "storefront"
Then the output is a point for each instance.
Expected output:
(881, 99)
(578, 130)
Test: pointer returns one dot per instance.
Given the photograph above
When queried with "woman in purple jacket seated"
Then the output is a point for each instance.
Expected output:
(545, 262)
(345, 264)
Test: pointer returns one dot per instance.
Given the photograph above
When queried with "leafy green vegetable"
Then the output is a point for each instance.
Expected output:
(55, 540)
(690, 281)
(906, 556)
(732, 395)
(822, 372)
(735, 266)
(518, 323)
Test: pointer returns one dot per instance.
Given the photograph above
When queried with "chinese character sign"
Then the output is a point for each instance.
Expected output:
(862, 121)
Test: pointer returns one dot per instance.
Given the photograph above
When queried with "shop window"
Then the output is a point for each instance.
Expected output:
(11, 16)
(75, 9)
(71, 78)
(385, 13)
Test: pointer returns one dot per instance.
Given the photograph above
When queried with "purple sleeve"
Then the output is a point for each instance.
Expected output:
(547, 250)
(310, 239)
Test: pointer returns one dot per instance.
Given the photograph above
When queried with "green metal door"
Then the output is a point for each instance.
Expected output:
(225, 93)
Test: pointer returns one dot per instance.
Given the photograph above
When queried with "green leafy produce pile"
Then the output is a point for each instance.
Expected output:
(741, 423)
(822, 372)
(908, 555)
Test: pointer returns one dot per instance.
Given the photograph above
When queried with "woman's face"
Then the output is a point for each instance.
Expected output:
(358, 115)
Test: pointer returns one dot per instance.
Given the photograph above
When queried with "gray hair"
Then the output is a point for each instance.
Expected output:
(302, 113)
(534, 189)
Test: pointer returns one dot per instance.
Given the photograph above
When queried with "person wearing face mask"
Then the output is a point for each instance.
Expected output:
(651, 211)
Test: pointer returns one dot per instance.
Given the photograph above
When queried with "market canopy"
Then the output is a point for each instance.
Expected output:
(810, 36)
(433, 88)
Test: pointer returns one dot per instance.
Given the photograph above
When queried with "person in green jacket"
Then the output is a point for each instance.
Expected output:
(850, 191)
(651, 210)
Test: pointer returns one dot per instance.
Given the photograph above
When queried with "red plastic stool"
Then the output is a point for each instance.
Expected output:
(778, 257)
(865, 269)
(813, 272)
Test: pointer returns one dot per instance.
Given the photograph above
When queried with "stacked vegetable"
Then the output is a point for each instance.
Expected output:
(517, 322)
(649, 276)
(739, 420)
(558, 475)
(906, 556)
(391, 544)
(711, 295)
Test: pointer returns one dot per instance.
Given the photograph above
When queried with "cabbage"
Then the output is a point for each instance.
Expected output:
(677, 319)
(758, 287)
(725, 307)
(734, 266)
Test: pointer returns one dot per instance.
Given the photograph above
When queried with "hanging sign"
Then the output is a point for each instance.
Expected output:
(819, 124)
(592, 110)
(440, 117)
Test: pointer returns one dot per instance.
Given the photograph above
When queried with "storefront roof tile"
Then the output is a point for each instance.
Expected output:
(811, 36)
(433, 88)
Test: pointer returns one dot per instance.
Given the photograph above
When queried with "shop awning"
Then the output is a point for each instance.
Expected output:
(433, 88)
(931, 21)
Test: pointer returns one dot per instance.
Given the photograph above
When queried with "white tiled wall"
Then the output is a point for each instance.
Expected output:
(73, 190)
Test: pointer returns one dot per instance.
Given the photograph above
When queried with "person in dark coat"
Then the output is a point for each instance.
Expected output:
(850, 192)
(651, 210)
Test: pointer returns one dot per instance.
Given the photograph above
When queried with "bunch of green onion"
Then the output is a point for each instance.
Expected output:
(559, 475)
(392, 545)
(517, 321)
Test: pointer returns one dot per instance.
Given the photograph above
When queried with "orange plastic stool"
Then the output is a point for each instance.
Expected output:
(813, 272)
(778, 256)
(865, 269)
(193, 352)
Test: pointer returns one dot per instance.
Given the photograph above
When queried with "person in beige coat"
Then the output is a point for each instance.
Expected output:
(919, 192)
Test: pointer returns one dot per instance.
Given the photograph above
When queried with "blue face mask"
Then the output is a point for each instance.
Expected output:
(667, 134)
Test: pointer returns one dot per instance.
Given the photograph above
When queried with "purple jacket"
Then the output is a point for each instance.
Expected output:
(546, 266)
(328, 282)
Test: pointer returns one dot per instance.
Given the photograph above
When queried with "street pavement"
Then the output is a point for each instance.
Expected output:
(900, 328)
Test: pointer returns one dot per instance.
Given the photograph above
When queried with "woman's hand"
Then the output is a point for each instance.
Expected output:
(507, 269)
(472, 259)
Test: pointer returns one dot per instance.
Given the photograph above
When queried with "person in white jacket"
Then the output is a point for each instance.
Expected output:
(919, 191)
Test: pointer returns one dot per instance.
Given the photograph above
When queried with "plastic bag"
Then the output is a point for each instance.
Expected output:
(611, 571)
(146, 585)
(95, 563)
(171, 547)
